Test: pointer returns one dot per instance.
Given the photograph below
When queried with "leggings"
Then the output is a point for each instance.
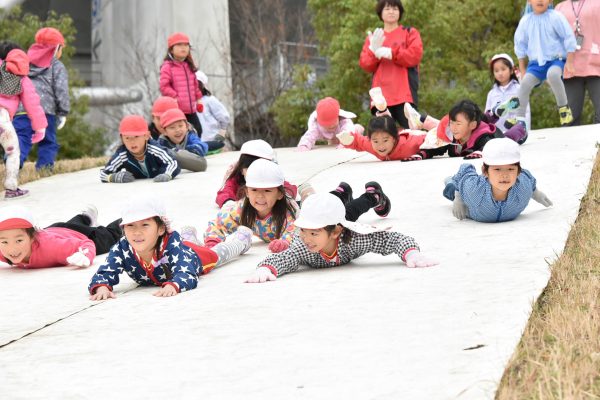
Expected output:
(103, 237)
(397, 112)
(358, 206)
(554, 78)
(575, 88)
(193, 119)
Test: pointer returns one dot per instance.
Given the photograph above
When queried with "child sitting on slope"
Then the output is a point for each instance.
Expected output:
(188, 147)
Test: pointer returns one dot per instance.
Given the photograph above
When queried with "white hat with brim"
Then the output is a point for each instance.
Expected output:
(258, 148)
(201, 76)
(264, 174)
(501, 151)
(139, 210)
(505, 56)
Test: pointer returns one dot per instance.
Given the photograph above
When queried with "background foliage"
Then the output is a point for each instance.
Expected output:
(77, 139)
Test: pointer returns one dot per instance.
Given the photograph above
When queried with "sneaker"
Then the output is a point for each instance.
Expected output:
(384, 205)
(216, 151)
(189, 234)
(91, 212)
(15, 194)
(219, 138)
(344, 192)
(508, 105)
(566, 116)
(449, 189)
(509, 123)
(377, 98)
(244, 235)
(413, 117)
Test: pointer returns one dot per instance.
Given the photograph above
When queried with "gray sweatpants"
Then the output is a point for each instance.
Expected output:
(575, 88)
(529, 81)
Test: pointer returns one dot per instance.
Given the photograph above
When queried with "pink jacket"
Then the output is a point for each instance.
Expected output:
(316, 132)
(177, 80)
(52, 246)
(31, 102)
(587, 59)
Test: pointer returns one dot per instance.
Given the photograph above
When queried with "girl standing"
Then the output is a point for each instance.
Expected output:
(177, 78)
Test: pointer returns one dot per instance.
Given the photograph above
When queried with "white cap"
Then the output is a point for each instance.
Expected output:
(15, 217)
(141, 209)
(201, 76)
(503, 55)
(501, 151)
(320, 210)
(264, 174)
(258, 148)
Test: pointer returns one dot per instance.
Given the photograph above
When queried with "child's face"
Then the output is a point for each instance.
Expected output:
(539, 6)
(181, 51)
(383, 143)
(176, 131)
(317, 240)
(156, 121)
(263, 200)
(501, 72)
(331, 128)
(142, 235)
(502, 177)
(15, 245)
(390, 14)
(136, 145)
(462, 128)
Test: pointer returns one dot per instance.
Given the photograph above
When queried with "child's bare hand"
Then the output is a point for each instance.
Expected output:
(165, 291)
(103, 293)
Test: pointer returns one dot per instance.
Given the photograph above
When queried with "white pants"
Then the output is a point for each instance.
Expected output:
(10, 142)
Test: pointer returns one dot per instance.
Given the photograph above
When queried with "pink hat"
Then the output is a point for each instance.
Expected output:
(133, 125)
(15, 217)
(170, 116)
(51, 36)
(178, 37)
(328, 111)
(162, 104)
(17, 62)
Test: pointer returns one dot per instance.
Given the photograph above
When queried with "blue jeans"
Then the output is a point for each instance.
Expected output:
(47, 148)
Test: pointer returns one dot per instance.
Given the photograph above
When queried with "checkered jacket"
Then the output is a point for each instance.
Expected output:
(383, 243)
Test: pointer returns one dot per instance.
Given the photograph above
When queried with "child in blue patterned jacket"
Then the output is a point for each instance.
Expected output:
(153, 254)
(501, 193)
(188, 147)
(139, 157)
(326, 239)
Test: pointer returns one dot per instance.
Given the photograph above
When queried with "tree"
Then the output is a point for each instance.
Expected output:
(77, 139)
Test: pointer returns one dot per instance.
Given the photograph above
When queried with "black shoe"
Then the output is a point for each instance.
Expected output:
(344, 192)
(384, 205)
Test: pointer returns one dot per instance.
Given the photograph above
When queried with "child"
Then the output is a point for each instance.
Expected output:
(16, 87)
(251, 151)
(326, 122)
(189, 149)
(327, 239)
(546, 39)
(503, 191)
(266, 209)
(465, 130)
(152, 254)
(506, 86)
(383, 140)
(51, 81)
(177, 78)
(139, 157)
(75, 242)
(161, 104)
(215, 118)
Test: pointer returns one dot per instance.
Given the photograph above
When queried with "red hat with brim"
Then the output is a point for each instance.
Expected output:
(328, 111)
(170, 116)
(177, 38)
(162, 104)
(133, 125)
(17, 62)
(50, 36)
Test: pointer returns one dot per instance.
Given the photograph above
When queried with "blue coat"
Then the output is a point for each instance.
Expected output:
(174, 260)
(191, 143)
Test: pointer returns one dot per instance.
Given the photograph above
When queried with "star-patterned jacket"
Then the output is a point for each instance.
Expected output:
(176, 264)
(383, 242)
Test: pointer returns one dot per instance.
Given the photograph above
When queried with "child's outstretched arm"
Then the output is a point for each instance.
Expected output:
(278, 264)
(107, 276)
(181, 260)
(196, 145)
(169, 168)
(385, 243)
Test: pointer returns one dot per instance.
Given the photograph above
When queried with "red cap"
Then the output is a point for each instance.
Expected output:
(15, 217)
(17, 62)
(133, 125)
(328, 111)
(162, 104)
(170, 116)
(51, 36)
(178, 37)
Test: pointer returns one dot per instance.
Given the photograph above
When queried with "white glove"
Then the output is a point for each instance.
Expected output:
(378, 99)
(384, 52)
(62, 120)
(459, 208)
(261, 275)
(376, 39)
(541, 198)
(79, 259)
(345, 137)
(415, 259)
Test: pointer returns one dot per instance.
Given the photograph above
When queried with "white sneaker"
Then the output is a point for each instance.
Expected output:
(413, 117)
(377, 98)
(189, 234)
(91, 212)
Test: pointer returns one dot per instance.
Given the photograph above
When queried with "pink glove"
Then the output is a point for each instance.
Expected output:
(278, 245)
(211, 242)
(415, 259)
(199, 107)
(38, 136)
(261, 275)
(414, 157)
(475, 154)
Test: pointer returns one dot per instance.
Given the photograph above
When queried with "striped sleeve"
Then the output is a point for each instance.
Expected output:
(169, 166)
(113, 165)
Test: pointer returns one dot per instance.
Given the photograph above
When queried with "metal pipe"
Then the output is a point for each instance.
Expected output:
(109, 96)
